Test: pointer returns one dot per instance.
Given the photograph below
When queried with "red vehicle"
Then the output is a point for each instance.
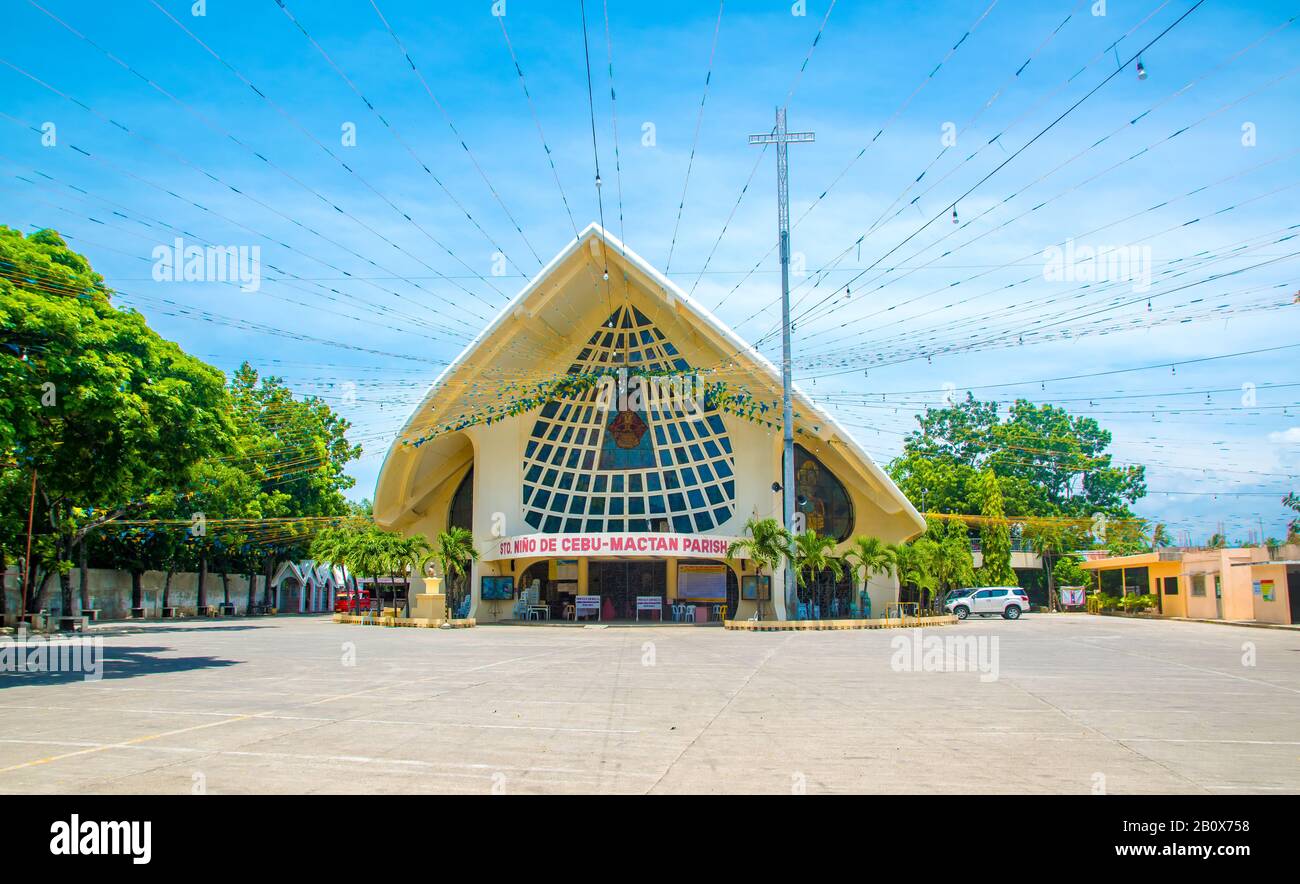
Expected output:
(350, 601)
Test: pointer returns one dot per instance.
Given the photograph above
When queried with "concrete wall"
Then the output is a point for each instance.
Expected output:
(1278, 610)
(110, 591)
(1204, 606)
(1021, 560)
(1171, 605)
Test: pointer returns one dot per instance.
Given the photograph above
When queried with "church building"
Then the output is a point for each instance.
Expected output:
(606, 439)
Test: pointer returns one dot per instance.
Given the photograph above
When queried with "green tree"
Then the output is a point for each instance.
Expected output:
(453, 552)
(1068, 573)
(952, 562)
(916, 566)
(814, 555)
(766, 547)
(1050, 541)
(868, 556)
(102, 409)
(1050, 462)
(299, 446)
(367, 551)
(1292, 501)
(995, 535)
(297, 451)
(406, 556)
(135, 549)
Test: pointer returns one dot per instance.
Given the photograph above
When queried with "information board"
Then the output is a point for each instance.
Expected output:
(705, 583)
(587, 604)
(498, 588)
(756, 588)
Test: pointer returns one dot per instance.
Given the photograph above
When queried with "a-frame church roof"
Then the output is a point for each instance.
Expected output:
(538, 335)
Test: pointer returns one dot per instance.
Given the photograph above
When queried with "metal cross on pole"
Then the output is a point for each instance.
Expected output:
(781, 138)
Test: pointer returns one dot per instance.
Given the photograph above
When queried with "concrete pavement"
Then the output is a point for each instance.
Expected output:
(302, 705)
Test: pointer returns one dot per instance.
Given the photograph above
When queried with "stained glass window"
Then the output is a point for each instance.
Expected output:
(822, 498)
(461, 512)
(640, 452)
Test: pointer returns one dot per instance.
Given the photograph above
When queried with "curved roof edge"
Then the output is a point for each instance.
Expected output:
(743, 351)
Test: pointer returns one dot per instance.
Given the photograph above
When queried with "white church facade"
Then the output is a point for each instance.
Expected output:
(606, 438)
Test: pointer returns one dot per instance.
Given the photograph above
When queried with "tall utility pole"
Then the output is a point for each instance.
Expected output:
(27, 567)
(781, 138)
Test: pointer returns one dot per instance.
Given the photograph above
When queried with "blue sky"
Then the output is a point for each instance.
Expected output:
(877, 355)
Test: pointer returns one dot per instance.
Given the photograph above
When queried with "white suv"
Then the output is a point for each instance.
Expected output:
(1009, 601)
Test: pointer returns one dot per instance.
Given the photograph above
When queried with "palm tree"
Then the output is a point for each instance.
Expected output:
(814, 553)
(333, 544)
(871, 555)
(365, 550)
(452, 552)
(767, 545)
(369, 555)
(1049, 542)
(916, 564)
(1160, 536)
(405, 555)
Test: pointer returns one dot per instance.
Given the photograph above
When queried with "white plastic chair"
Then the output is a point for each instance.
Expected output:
(531, 600)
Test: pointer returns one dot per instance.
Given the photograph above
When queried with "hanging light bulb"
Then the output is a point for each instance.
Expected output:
(605, 276)
(1141, 71)
(954, 214)
(598, 177)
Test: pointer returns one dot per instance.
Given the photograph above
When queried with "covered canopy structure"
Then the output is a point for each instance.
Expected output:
(606, 435)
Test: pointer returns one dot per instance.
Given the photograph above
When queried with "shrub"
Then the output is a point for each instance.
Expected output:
(1137, 602)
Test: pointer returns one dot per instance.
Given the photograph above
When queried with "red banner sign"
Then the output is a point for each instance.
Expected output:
(677, 546)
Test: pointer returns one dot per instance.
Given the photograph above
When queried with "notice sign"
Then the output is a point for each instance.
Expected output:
(705, 583)
(1071, 598)
(756, 588)
(682, 546)
(587, 604)
(649, 603)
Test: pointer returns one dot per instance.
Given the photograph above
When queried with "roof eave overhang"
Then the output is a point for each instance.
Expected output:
(459, 374)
